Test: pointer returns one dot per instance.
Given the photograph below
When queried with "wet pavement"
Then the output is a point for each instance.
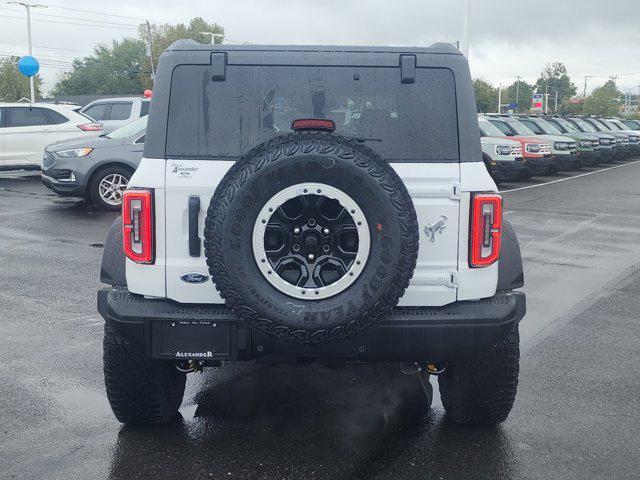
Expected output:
(576, 416)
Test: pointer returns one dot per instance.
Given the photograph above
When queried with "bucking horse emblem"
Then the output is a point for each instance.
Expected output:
(436, 227)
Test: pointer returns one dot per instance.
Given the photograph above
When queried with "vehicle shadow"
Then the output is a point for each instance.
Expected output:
(309, 422)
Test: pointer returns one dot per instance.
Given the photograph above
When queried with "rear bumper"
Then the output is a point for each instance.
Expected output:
(168, 330)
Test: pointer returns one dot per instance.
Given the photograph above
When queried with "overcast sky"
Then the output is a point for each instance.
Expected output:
(508, 37)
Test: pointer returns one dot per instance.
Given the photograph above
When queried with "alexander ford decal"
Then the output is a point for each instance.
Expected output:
(179, 170)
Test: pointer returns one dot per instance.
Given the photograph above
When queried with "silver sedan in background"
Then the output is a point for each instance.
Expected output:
(97, 169)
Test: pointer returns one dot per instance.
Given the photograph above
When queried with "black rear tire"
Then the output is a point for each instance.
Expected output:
(482, 392)
(140, 390)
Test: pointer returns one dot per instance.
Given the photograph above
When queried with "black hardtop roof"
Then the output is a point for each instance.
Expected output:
(190, 54)
(191, 45)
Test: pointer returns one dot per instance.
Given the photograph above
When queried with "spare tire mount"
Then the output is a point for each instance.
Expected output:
(311, 241)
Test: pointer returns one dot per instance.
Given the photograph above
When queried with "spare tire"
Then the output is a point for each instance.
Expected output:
(311, 237)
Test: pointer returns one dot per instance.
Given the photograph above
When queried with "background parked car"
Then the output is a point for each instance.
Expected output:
(588, 145)
(617, 126)
(609, 145)
(631, 124)
(565, 151)
(622, 139)
(563, 148)
(97, 169)
(25, 129)
(502, 157)
(536, 153)
(115, 112)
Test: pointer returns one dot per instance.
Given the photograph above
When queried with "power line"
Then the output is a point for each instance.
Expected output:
(49, 48)
(93, 12)
(39, 14)
(71, 23)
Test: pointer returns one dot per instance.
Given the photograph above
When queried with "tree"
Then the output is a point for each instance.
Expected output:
(14, 85)
(119, 69)
(486, 96)
(554, 78)
(604, 101)
(123, 68)
(521, 93)
(164, 35)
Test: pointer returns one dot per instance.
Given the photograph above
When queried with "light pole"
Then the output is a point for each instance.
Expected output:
(466, 20)
(212, 36)
(584, 92)
(28, 7)
(150, 52)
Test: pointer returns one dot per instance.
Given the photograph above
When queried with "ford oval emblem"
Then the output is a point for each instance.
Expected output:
(194, 277)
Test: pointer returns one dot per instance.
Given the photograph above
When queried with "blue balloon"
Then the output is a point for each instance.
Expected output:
(28, 66)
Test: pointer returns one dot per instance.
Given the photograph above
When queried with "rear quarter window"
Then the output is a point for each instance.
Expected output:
(402, 122)
(56, 118)
(144, 108)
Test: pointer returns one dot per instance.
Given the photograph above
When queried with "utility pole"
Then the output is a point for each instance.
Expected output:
(500, 98)
(584, 93)
(518, 93)
(150, 52)
(556, 105)
(546, 98)
(466, 21)
(28, 7)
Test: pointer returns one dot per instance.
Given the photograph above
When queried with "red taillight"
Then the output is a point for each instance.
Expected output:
(137, 225)
(486, 229)
(313, 124)
(91, 127)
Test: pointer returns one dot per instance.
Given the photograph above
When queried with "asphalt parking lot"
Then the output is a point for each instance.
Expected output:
(576, 415)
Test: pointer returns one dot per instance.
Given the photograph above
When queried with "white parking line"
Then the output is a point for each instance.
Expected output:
(569, 178)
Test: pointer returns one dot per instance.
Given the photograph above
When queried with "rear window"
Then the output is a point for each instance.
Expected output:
(402, 122)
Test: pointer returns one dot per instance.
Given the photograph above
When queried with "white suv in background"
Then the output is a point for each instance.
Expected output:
(26, 129)
(115, 112)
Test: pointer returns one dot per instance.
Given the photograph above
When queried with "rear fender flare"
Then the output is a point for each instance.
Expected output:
(510, 271)
(112, 270)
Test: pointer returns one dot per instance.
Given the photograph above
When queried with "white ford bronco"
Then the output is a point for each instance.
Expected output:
(324, 204)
